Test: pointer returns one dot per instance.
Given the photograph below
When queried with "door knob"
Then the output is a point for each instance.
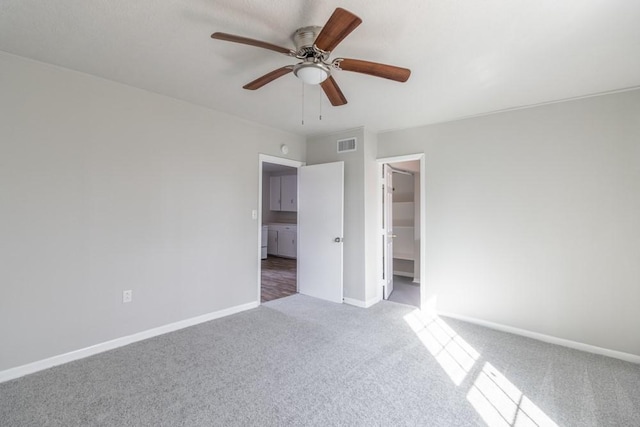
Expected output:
(338, 239)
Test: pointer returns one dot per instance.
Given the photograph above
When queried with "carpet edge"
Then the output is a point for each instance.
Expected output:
(627, 357)
(60, 359)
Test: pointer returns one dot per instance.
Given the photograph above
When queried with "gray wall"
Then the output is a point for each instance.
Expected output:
(532, 217)
(323, 149)
(104, 187)
(372, 248)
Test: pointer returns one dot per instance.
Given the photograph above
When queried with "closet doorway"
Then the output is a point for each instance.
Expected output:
(278, 237)
(401, 217)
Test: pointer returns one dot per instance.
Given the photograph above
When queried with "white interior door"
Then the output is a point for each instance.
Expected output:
(387, 232)
(320, 228)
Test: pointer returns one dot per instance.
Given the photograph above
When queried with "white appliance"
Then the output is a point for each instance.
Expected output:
(263, 241)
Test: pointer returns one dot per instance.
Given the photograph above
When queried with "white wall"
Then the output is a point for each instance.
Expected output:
(104, 187)
(533, 217)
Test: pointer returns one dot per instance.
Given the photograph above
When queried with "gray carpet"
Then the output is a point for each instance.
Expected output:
(301, 361)
(405, 291)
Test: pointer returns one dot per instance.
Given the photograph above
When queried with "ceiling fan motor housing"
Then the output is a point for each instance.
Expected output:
(304, 38)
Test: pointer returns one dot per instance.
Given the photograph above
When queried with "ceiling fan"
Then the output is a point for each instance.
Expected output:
(313, 47)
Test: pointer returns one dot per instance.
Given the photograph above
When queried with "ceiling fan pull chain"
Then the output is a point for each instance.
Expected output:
(320, 102)
(302, 103)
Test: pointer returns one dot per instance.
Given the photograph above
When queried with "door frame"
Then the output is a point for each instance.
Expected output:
(265, 158)
(395, 159)
(387, 222)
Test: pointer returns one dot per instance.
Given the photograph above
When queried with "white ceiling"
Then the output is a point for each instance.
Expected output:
(467, 57)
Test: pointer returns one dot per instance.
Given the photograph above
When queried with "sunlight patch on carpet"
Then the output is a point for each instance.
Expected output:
(453, 353)
(496, 399)
(500, 403)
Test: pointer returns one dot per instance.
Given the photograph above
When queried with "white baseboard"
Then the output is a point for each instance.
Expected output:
(50, 362)
(373, 301)
(360, 303)
(547, 338)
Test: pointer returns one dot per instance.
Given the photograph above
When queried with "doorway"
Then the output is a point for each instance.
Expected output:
(402, 221)
(277, 221)
(314, 240)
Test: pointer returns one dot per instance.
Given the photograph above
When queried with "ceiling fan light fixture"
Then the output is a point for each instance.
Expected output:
(311, 73)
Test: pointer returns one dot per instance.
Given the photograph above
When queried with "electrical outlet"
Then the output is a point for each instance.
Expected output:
(254, 214)
(127, 296)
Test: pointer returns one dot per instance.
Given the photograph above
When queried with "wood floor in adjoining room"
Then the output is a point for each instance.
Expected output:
(278, 278)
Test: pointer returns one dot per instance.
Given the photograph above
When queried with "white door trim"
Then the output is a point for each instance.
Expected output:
(387, 230)
(406, 158)
(265, 158)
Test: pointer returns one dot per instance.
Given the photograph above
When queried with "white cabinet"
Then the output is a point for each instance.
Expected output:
(272, 242)
(274, 193)
(287, 243)
(264, 238)
(282, 240)
(283, 193)
(289, 193)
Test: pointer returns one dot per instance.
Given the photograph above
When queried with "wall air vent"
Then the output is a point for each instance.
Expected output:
(346, 145)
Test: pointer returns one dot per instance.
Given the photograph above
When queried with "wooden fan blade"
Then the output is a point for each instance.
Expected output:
(374, 69)
(267, 78)
(333, 92)
(339, 26)
(251, 42)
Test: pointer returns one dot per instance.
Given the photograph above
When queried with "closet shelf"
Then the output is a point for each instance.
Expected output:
(403, 224)
(402, 197)
(402, 255)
